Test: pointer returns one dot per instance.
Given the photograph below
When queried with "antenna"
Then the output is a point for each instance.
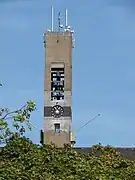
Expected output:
(52, 16)
(66, 19)
(88, 122)
(59, 21)
(60, 26)
(73, 136)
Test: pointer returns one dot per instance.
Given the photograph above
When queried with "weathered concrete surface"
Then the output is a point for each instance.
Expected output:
(58, 53)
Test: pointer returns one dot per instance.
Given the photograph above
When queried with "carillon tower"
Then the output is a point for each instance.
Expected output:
(58, 84)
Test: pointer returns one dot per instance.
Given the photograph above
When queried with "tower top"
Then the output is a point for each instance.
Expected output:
(61, 27)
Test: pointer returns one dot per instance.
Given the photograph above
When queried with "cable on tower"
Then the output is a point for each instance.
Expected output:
(88, 122)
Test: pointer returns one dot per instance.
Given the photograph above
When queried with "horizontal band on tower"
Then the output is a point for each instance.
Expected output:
(67, 111)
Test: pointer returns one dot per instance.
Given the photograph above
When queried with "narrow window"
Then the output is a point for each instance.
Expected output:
(57, 128)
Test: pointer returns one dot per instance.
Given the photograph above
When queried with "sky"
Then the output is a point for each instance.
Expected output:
(103, 65)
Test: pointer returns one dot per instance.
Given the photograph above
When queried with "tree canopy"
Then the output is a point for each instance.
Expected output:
(20, 159)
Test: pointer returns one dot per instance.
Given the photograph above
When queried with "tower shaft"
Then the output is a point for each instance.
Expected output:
(58, 88)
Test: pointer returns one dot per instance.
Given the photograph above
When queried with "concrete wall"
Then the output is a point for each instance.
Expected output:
(58, 50)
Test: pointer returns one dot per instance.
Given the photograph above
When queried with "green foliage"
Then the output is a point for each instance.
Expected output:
(20, 159)
(12, 122)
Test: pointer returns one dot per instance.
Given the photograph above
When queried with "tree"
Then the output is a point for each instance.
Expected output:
(20, 159)
(12, 122)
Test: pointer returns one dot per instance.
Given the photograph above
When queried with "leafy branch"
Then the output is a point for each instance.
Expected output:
(15, 120)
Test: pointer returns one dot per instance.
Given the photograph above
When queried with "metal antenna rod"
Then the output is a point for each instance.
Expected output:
(52, 16)
(59, 20)
(88, 122)
(66, 18)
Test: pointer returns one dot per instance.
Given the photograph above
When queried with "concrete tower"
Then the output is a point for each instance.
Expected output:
(58, 85)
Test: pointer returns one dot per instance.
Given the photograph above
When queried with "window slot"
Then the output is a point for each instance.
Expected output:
(57, 128)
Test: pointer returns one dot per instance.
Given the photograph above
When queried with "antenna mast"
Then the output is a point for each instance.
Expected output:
(59, 24)
(52, 16)
(88, 122)
(66, 19)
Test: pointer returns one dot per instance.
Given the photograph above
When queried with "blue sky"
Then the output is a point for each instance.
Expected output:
(103, 64)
